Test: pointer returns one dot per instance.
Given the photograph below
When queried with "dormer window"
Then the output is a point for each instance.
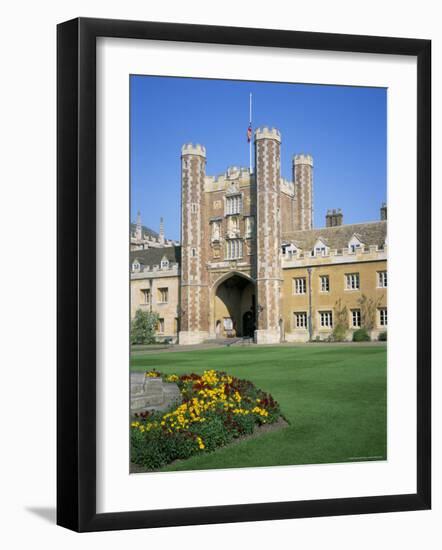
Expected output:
(288, 251)
(136, 266)
(355, 244)
(164, 263)
(320, 248)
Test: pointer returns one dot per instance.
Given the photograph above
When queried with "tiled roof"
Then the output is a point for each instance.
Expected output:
(153, 256)
(370, 233)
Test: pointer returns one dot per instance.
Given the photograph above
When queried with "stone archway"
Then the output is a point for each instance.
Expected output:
(233, 306)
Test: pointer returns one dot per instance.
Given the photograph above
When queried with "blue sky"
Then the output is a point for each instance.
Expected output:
(344, 128)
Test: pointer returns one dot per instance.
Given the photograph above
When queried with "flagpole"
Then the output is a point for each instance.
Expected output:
(250, 142)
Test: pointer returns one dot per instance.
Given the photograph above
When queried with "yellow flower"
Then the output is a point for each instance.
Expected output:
(152, 374)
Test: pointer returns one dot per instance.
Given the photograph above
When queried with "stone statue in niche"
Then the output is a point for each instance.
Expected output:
(215, 231)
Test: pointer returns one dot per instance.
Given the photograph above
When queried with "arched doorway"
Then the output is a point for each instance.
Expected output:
(248, 324)
(234, 306)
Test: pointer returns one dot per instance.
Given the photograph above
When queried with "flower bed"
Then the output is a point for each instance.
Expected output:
(216, 409)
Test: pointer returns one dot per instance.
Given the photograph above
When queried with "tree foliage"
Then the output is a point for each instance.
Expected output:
(341, 321)
(143, 327)
(368, 308)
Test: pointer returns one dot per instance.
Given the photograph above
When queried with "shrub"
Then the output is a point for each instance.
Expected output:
(361, 335)
(216, 408)
(382, 337)
(339, 333)
(143, 327)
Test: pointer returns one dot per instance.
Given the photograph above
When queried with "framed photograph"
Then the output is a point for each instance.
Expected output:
(243, 274)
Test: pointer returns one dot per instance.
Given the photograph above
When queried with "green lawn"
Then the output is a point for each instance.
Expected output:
(333, 397)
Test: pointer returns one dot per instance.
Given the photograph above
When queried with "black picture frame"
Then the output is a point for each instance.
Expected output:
(76, 274)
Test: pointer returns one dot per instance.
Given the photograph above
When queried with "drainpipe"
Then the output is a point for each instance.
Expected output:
(310, 327)
(151, 294)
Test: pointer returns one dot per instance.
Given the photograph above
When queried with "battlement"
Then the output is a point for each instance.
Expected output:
(235, 172)
(191, 149)
(287, 187)
(300, 258)
(154, 271)
(234, 176)
(267, 133)
(303, 159)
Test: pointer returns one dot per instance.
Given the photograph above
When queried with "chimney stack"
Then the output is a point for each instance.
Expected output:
(384, 211)
(334, 217)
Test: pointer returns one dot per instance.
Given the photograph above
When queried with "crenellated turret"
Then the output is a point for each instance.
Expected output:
(303, 180)
(268, 234)
(191, 149)
(194, 319)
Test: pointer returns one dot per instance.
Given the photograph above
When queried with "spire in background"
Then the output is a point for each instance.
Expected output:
(161, 239)
(138, 231)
